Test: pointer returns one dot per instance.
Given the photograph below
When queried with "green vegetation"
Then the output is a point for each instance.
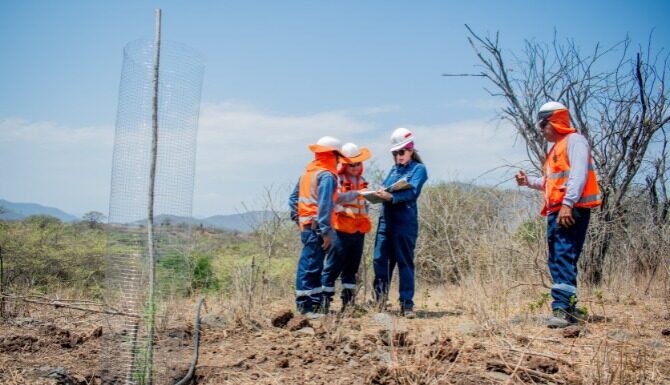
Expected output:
(43, 255)
(466, 232)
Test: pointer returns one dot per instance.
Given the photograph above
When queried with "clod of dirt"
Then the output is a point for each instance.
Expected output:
(381, 375)
(18, 343)
(308, 359)
(542, 364)
(523, 340)
(283, 363)
(595, 318)
(213, 321)
(281, 318)
(61, 376)
(443, 350)
(619, 335)
(572, 332)
(396, 338)
(573, 379)
(478, 346)
(306, 331)
(180, 333)
(68, 340)
(665, 332)
(298, 323)
(97, 332)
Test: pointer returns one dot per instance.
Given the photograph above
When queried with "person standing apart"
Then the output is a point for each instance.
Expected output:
(570, 190)
(398, 222)
(351, 224)
(311, 207)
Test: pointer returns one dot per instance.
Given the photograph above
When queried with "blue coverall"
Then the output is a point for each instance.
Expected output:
(310, 264)
(397, 232)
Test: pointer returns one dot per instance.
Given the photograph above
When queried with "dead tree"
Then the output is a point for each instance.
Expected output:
(620, 109)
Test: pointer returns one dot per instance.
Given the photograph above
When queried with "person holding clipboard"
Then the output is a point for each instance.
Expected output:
(398, 222)
(351, 223)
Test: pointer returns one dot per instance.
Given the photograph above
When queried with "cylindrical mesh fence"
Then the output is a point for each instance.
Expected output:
(128, 252)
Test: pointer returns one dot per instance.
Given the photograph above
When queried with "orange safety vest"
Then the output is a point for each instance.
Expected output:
(556, 173)
(352, 216)
(308, 198)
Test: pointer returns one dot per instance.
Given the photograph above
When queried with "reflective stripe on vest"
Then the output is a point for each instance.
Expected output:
(352, 217)
(308, 194)
(557, 172)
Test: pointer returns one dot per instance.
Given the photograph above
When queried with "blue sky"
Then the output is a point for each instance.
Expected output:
(276, 72)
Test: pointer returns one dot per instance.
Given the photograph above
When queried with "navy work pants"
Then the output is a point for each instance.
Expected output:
(565, 246)
(308, 276)
(343, 260)
(394, 245)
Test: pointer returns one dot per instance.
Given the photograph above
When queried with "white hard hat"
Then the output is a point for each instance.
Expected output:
(400, 138)
(548, 108)
(355, 154)
(326, 144)
(546, 111)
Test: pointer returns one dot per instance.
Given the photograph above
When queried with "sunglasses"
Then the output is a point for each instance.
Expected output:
(354, 164)
(399, 152)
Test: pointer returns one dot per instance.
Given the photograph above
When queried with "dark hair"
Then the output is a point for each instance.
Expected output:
(416, 157)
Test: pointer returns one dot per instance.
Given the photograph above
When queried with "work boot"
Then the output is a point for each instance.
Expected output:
(561, 318)
(407, 312)
(579, 316)
(310, 315)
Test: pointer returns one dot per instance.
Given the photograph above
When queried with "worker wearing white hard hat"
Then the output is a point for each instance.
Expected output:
(570, 190)
(351, 224)
(311, 207)
(398, 223)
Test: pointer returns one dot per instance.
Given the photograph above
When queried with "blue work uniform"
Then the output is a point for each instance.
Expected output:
(397, 232)
(310, 264)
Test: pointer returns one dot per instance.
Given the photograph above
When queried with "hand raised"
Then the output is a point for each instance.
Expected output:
(521, 178)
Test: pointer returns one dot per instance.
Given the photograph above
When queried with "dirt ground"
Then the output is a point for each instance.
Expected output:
(630, 344)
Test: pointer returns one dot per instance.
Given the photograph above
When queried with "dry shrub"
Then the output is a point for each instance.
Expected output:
(496, 235)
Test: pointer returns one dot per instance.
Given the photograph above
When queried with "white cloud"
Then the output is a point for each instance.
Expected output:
(55, 165)
(470, 151)
(241, 151)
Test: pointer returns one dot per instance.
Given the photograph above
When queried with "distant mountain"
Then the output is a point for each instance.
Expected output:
(234, 222)
(13, 211)
(240, 222)
(243, 222)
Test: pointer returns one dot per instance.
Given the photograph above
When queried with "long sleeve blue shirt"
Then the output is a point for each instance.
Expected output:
(326, 185)
(416, 175)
